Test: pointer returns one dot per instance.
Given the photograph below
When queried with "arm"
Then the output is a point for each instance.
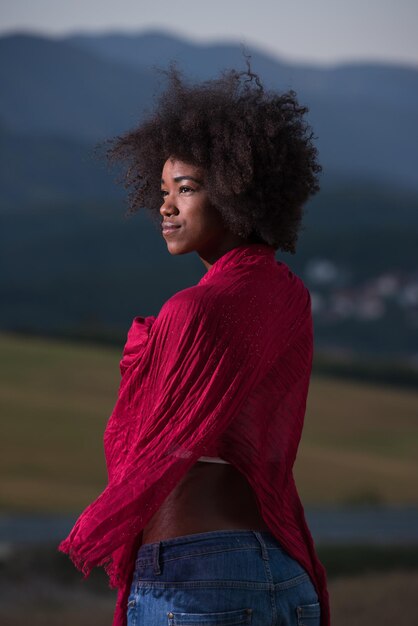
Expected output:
(136, 341)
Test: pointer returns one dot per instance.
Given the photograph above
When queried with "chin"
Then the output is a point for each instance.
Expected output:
(177, 248)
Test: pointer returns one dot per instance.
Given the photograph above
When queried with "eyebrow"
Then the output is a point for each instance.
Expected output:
(177, 179)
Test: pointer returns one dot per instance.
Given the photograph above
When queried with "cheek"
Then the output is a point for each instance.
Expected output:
(202, 218)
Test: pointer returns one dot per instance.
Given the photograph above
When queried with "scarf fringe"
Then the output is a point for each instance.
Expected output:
(86, 567)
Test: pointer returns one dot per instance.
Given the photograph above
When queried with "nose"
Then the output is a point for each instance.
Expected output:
(168, 207)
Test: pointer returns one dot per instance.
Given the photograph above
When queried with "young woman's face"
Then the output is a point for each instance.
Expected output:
(189, 222)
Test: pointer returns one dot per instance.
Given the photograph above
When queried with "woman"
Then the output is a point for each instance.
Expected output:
(200, 522)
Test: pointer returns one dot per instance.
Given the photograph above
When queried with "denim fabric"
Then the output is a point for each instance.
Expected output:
(220, 578)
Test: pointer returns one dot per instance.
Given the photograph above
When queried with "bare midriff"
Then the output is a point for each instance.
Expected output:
(211, 496)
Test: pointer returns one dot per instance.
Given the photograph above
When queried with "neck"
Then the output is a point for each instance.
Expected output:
(210, 257)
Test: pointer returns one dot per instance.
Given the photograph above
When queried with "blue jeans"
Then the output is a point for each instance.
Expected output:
(220, 578)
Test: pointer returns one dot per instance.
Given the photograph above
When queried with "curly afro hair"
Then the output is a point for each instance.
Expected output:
(254, 146)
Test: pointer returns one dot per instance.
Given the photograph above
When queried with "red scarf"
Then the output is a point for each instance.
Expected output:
(223, 369)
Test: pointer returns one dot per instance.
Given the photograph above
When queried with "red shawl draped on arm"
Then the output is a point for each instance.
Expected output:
(225, 367)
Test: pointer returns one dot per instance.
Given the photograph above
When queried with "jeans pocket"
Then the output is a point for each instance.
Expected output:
(225, 618)
(309, 614)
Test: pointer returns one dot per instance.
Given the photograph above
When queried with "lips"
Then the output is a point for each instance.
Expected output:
(169, 227)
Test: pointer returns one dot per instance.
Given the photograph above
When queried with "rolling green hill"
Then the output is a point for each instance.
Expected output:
(359, 443)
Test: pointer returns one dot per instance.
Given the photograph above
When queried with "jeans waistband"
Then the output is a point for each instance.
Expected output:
(223, 539)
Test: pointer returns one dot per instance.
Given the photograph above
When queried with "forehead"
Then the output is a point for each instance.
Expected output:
(174, 168)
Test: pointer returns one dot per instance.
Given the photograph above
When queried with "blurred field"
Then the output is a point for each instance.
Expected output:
(55, 399)
(359, 443)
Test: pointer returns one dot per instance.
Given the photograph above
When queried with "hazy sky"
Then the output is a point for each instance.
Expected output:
(325, 31)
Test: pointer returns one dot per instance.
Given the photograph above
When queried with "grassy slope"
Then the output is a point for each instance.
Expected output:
(359, 444)
(55, 398)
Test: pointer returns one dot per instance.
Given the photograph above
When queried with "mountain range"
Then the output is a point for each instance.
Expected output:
(65, 246)
(88, 88)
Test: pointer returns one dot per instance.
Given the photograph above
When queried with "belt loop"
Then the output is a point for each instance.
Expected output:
(264, 553)
(156, 558)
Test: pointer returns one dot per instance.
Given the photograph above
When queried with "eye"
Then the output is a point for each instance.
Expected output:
(185, 189)
(164, 193)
